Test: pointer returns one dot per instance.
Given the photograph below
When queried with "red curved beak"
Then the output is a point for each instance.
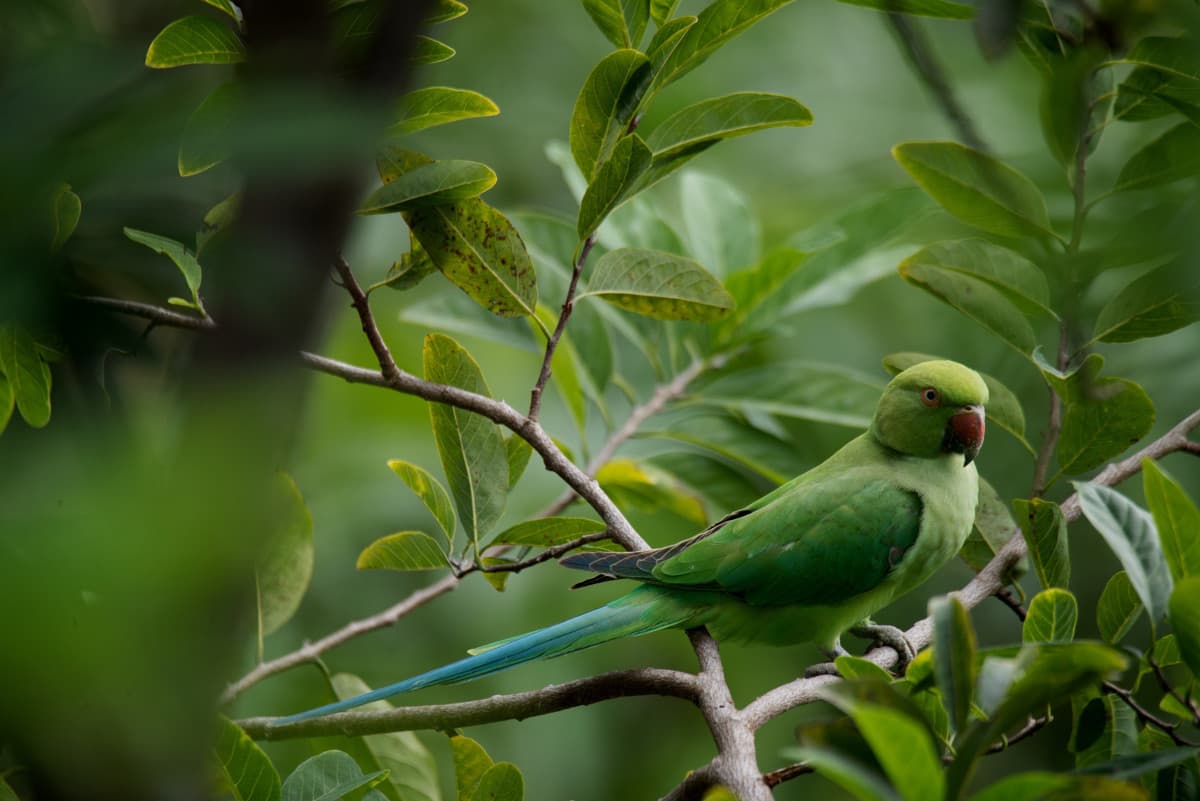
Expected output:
(964, 433)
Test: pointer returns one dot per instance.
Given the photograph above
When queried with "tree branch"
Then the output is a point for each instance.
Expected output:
(535, 395)
(362, 305)
(920, 55)
(311, 651)
(147, 311)
(1145, 715)
(553, 552)
(517, 706)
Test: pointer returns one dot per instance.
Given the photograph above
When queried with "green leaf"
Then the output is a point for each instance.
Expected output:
(195, 40)
(410, 767)
(1134, 765)
(228, 7)
(659, 285)
(945, 9)
(1017, 278)
(445, 10)
(177, 253)
(65, 210)
(471, 447)
(430, 491)
(976, 188)
(404, 550)
(327, 777)
(1075, 102)
(1118, 607)
(615, 180)
(1150, 306)
(428, 50)
(206, 139)
(1129, 531)
(1031, 786)
(621, 21)
(28, 376)
(517, 451)
(694, 129)
(470, 763)
(1175, 517)
(661, 10)
(480, 251)
(903, 746)
(722, 232)
(647, 487)
(244, 772)
(216, 220)
(855, 667)
(1172, 156)
(433, 184)
(8, 400)
(976, 299)
(1174, 56)
(605, 106)
(1108, 727)
(438, 105)
(1051, 618)
(848, 773)
(825, 393)
(1003, 407)
(754, 286)
(717, 24)
(666, 39)
(994, 527)
(1045, 532)
(734, 441)
(547, 531)
(412, 268)
(953, 657)
(501, 782)
(1185, 620)
(285, 565)
(1103, 416)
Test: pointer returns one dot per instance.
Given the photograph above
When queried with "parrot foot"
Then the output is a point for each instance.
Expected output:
(891, 637)
(827, 668)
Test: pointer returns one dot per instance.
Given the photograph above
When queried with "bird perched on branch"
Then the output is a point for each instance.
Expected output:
(804, 563)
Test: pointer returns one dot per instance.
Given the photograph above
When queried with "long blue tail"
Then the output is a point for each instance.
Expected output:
(640, 612)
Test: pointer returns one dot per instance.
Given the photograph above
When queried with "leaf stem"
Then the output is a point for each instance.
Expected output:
(535, 399)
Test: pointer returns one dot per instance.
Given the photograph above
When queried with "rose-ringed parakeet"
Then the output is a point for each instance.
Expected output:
(805, 562)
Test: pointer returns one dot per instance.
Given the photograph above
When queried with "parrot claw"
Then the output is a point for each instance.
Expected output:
(827, 668)
(891, 637)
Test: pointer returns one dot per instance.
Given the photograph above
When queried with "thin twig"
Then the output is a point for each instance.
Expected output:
(781, 775)
(311, 651)
(535, 395)
(1033, 726)
(516, 706)
(1008, 599)
(552, 552)
(920, 54)
(147, 311)
(362, 306)
(1145, 715)
(662, 395)
(1054, 421)
(1186, 701)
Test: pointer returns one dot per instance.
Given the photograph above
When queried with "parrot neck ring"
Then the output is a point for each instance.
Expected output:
(964, 433)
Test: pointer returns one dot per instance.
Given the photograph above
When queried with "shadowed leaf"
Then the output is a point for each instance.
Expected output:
(327, 777)
(605, 106)
(659, 285)
(243, 770)
(1118, 607)
(1045, 532)
(433, 184)
(1175, 517)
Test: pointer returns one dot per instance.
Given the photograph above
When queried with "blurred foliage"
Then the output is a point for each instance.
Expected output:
(146, 533)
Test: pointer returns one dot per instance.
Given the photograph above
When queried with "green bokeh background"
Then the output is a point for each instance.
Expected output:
(531, 57)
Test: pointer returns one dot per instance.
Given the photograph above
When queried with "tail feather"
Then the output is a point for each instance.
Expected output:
(642, 611)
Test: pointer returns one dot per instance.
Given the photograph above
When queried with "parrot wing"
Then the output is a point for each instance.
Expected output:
(822, 542)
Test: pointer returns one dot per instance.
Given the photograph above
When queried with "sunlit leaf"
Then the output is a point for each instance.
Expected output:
(433, 184)
(243, 770)
(404, 550)
(621, 21)
(976, 188)
(445, 10)
(661, 10)
(327, 777)
(27, 376)
(438, 105)
(719, 22)
(1129, 531)
(547, 531)
(411, 769)
(659, 285)
(177, 253)
(946, 9)
(605, 106)
(285, 565)
(1118, 607)
(427, 50)
(470, 763)
(228, 7)
(642, 485)
(430, 491)
(1051, 618)
(1175, 517)
(195, 40)
(471, 447)
(501, 782)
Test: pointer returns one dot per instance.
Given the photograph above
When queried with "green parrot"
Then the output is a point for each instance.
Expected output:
(804, 563)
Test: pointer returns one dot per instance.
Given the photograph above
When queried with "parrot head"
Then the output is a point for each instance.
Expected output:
(933, 408)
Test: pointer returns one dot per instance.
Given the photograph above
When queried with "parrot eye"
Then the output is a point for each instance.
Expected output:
(930, 396)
